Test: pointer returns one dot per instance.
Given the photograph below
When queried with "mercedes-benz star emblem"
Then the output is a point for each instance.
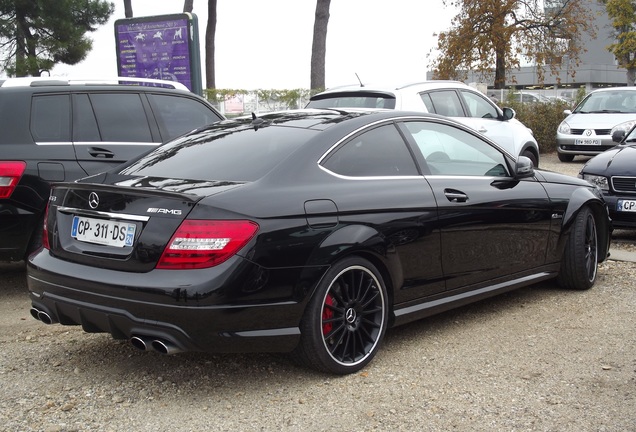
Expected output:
(93, 200)
(350, 315)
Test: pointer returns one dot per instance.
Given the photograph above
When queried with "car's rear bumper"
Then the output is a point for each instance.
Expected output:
(191, 310)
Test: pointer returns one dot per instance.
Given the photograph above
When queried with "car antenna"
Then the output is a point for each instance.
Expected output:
(359, 80)
(256, 121)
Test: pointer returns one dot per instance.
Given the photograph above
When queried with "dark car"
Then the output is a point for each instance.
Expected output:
(614, 172)
(56, 129)
(308, 232)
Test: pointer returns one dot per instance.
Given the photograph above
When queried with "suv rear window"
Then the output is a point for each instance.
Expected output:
(221, 153)
(178, 115)
(353, 100)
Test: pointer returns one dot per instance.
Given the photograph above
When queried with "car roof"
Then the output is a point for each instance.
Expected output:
(388, 88)
(609, 89)
(106, 81)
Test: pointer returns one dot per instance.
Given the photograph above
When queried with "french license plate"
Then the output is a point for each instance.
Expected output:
(626, 206)
(587, 141)
(103, 231)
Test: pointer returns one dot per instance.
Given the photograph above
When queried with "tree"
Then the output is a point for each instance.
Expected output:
(497, 35)
(622, 14)
(37, 34)
(319, 45)
(210, 34)
(128, 12)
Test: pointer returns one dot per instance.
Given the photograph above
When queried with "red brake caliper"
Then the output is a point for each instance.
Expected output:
(327, 313)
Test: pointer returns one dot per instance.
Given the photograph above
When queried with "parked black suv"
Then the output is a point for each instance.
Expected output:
(56, 129)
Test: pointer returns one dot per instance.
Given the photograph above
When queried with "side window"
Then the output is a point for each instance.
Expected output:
(121, 117)
(51, 118)
(449, 150)
(446, 103)
(177, 115)
(378, 152)
(428, 103)
(84, 124)
(478, 106)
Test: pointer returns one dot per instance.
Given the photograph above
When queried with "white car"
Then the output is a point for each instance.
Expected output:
(588, 129)
(449, 98)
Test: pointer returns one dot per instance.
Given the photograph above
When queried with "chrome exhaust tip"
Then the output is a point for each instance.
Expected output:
(139, 343)
(164, 347)
(34, 313)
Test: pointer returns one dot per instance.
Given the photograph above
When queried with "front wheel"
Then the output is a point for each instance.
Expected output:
(532, 157)
(563, 157)
(346, 319)
(580, 257)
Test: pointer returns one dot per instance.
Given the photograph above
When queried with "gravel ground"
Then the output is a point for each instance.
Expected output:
(537, 359)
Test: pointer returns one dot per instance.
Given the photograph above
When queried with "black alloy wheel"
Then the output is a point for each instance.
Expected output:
(346, 319)
(580, 257)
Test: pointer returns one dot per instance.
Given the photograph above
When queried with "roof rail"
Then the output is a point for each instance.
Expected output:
(62, 81)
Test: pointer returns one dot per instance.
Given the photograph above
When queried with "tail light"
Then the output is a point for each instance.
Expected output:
(10, 173)
(45, 231)
(206, 243)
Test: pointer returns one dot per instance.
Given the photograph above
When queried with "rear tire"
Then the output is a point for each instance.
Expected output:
(565, 157)
(346, 319)
(580, 257)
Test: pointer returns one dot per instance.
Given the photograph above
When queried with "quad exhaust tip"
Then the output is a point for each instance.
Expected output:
(158, 345)
(41, 315)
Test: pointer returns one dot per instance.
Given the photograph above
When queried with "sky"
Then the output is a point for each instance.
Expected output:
(266, 44)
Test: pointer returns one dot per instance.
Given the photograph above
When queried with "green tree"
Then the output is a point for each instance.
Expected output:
(319, 45)
(37, 34)
(496, 35)
(622, 14)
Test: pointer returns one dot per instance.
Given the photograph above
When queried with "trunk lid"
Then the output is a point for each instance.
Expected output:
(122, 223)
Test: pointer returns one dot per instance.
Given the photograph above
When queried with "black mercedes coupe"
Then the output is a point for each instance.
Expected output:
(309, 232)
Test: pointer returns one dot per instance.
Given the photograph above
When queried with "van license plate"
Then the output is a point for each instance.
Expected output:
(103, 231)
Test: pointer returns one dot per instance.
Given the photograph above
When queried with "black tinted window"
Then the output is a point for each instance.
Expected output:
(218, 153)
(121, 117)
(354, 100)
(84, 123)
(51, 118)
(378, 152)
(178, 115)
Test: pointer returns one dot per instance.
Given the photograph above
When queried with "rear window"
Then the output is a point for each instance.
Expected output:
(353, 100)
(221, 153)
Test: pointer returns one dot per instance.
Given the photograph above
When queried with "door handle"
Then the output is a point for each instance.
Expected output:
(97, 152)
(455, 195)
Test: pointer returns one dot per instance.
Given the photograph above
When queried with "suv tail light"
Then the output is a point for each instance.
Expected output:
(10, 173)
(205, 243)
(45, 231)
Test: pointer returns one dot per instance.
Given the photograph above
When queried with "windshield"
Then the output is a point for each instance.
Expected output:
(619, 101)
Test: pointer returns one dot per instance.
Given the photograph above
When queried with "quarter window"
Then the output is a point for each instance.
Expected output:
(51, 118)
(379, 152)
(178, 115)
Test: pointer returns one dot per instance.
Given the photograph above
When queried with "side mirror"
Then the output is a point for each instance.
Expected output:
(567, 112)
(618, 136)
(509, 113)
(524, 168)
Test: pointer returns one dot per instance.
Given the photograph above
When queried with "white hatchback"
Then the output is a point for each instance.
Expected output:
(449, 98)
(588, 129)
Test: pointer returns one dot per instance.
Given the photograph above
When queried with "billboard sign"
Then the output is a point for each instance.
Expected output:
(160, 47)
